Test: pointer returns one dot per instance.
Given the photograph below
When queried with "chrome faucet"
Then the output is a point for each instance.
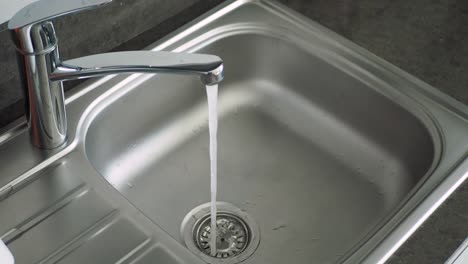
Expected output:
(42, 72)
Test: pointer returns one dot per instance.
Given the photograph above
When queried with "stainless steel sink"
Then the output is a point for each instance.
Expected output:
(336, 155)
(303, 145)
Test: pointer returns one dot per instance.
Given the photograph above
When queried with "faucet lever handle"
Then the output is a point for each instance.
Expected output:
(44, 10)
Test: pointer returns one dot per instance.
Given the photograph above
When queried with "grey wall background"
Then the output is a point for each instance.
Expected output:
(427, 38)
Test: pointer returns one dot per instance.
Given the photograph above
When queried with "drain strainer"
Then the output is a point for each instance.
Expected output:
(237, 234)
(233, 235)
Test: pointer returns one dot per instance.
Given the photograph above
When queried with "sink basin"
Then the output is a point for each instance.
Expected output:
(319, 152)
(336, 155)
(304, 146)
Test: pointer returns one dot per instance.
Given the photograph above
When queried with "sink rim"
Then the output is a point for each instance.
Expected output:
(419, 112)
(415, 109)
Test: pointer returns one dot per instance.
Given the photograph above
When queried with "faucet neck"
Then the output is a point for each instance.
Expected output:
(36, 43)
(42, 71)
(38, 57)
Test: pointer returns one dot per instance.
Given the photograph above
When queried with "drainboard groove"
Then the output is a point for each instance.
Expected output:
(36, 219)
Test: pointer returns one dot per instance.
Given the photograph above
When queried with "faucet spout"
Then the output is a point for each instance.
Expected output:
(208, 67)
(42, 70)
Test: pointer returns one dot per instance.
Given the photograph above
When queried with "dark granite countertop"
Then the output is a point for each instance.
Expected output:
(427, 38)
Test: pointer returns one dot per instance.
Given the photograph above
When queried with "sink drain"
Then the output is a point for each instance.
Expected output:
(232, 238)
(237, 234)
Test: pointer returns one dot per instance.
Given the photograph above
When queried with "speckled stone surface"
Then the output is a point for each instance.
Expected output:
(427, 38)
